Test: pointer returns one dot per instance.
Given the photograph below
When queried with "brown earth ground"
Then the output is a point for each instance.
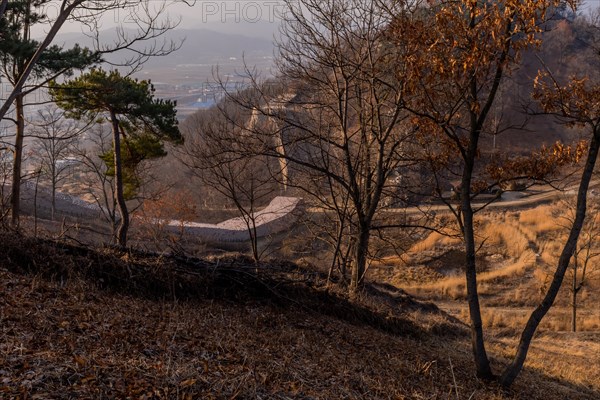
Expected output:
(82, 323)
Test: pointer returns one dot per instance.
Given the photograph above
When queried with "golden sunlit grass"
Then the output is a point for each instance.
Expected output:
(510, 321)
(505, 235)
(522, 249)
(555, 351)
(541, 218)
(532, 239)
(517, 256)
(433, 240)
(455, 287)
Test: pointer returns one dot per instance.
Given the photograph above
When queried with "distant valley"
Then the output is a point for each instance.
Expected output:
(188, 74)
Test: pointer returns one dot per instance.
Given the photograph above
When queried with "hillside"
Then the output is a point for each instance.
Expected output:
(566, 52)
(82, 323)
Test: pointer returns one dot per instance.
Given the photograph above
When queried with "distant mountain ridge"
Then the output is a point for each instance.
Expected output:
(198, 46)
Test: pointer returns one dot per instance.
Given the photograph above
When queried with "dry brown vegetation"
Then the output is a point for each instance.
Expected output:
(81, 323)
(517, 253)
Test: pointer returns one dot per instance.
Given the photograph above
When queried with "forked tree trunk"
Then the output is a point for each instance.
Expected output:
(250, 221)
(337, 250)
(121, 204)
(477, 119)
(17, 162)
(511, 372)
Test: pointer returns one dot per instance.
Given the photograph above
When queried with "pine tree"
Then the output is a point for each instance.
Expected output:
(142, 121)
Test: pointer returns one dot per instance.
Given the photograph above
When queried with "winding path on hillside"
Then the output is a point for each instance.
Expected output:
(508, 200)
(280, 215)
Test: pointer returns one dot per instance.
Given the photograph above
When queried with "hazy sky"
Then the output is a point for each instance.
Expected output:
(250, 17)
(255, 18)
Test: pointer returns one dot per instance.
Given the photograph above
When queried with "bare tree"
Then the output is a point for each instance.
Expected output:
(55, 140)
(95, 182)
(336, 118)
(226, 159)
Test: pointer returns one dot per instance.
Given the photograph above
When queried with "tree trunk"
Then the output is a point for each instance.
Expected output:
(17, 161)
(482, 363)
(283, 164)
(360, 259)
(35, 197)
(511, 372)
(54, 183)
(254, 242)
(3, 6)
(251, 227)
(575, 290)
(121, 204)
(337, 249)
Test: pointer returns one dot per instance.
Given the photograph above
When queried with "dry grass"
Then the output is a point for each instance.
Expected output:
(505, 235)
(574, 357)
(556, 351)
(76, 323)
(433, 240)
(528, 243)
(511, 321)
(498, 234)
(455, 287)
(521, 250)
(541, 218)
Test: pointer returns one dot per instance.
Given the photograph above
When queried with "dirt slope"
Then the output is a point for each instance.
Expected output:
(79, 323)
